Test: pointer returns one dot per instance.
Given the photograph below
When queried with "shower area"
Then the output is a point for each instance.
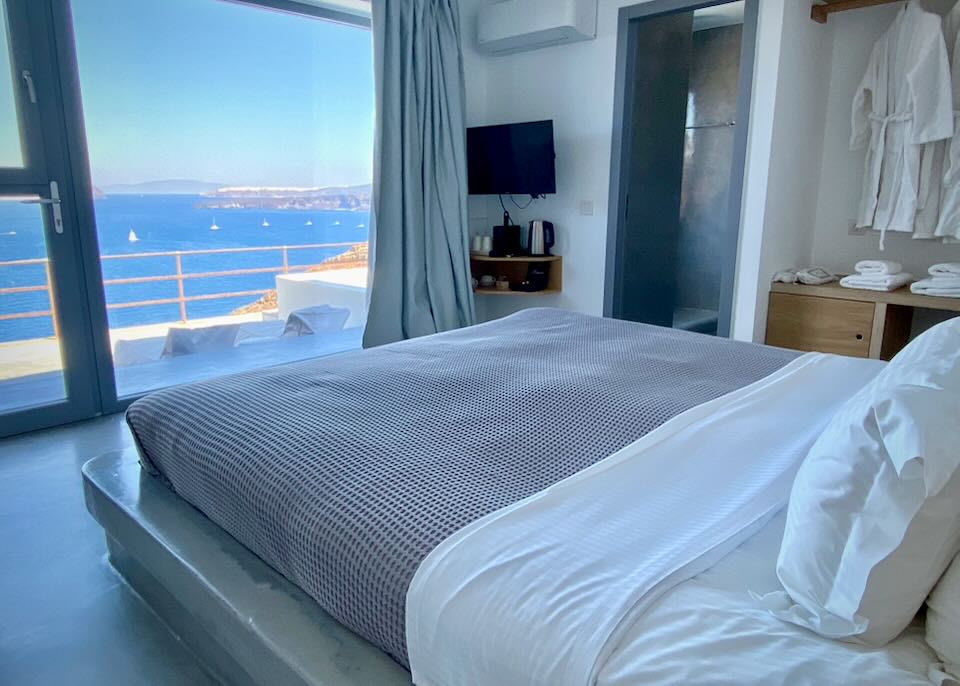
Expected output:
(705, 187)
(672, 247)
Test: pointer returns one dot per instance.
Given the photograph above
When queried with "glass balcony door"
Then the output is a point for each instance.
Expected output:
(47, 367)
(175, 205)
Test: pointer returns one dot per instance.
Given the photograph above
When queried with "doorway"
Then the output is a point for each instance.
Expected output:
(684, 77)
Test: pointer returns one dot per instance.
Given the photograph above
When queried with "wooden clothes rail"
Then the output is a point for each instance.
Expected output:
(820, 13)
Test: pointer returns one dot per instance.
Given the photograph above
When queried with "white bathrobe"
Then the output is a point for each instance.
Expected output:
(949, 225)
(903, 102)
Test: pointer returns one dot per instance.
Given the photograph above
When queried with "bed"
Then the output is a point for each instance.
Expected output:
(364, 480)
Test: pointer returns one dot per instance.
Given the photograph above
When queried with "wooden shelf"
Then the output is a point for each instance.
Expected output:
(901, 296)
(819, 13)
(514, 269)
(522, 258)
(495, 291)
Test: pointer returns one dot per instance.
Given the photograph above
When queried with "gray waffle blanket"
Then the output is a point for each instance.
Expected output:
(344, 472)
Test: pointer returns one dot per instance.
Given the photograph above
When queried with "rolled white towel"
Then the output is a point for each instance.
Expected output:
(882, 267)
(936, 287)
(880, 282)
(948, 269)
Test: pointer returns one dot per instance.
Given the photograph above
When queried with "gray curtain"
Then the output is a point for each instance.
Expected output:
(419, 227)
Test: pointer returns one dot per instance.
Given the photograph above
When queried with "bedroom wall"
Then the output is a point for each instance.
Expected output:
(574, 85)
(475, 77)
(784, 156)
(842, 170)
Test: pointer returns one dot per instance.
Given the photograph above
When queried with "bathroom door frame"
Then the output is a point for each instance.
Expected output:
(620, 149)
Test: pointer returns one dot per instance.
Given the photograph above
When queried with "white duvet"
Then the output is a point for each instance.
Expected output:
(708, 631)
(543, 591)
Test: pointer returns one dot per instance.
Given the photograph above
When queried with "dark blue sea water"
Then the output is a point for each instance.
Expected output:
(165, 223)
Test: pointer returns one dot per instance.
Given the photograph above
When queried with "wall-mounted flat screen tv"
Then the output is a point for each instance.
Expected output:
(511, 159)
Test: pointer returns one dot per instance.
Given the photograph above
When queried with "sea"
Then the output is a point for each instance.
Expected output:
(164, 223)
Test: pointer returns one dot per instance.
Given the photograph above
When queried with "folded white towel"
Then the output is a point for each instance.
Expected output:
(951, 269)
(936, 287)
(883, 267)
(880, 282)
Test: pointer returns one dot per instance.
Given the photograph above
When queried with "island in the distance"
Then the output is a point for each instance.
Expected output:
(356, 198)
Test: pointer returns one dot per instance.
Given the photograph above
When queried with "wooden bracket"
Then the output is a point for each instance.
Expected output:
(820, 12)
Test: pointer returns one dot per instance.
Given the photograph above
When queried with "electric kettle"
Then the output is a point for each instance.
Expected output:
(540, 237)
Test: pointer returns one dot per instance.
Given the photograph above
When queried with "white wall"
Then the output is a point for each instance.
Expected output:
(475, 77)
(842, 169)
(784, 156)
(574, 85)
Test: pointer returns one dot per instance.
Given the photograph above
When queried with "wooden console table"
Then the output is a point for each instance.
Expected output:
(846, 321)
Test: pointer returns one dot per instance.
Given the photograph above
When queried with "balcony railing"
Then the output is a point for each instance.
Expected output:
(178, 275)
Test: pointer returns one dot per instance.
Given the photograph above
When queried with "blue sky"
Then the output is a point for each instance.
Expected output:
(222, 92)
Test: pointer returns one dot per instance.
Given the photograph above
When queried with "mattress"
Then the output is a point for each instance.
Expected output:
(708, 631)
(343, 473)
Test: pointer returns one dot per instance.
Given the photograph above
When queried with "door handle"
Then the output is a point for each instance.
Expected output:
(31, 89)
(54, 202)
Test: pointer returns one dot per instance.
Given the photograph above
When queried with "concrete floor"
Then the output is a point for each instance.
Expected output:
(65, 617)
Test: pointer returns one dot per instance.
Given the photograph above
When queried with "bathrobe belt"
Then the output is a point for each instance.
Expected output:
(884, 121)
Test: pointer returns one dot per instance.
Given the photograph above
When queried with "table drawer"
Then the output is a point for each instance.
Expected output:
(825, 325)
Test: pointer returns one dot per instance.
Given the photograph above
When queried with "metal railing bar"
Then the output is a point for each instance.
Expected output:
(202, 275)
(219, 251)
(188, 298)
(22, 263)
(23, 289)
(25, 315)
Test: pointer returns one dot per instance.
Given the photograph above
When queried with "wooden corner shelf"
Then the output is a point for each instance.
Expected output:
(515, 271)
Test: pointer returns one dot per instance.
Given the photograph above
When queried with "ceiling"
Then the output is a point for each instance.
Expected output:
(358, 7)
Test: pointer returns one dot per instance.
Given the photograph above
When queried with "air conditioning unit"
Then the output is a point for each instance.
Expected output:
(517, 25)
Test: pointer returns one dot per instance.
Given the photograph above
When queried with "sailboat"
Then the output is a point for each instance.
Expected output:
(214, 227)
(309, 222)
(336, 223)
(132, 236)
(265, 223)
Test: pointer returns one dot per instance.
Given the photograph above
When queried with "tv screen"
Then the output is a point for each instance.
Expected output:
(511, 158)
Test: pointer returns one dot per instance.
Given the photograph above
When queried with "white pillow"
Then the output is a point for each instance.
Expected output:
(943, 619)
(874, 515)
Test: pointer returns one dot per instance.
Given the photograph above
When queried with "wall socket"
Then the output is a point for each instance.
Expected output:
(586, 208)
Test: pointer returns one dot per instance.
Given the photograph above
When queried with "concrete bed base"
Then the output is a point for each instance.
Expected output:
(243, 621)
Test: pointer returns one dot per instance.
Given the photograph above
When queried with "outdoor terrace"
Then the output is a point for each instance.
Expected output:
(146, 357)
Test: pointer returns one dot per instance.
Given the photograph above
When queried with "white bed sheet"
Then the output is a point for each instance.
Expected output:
(708, 631)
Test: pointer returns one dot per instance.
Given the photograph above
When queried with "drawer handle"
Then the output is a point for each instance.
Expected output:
(859, 336)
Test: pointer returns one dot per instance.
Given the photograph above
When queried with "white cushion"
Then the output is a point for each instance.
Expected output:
(943, 619)
(874, 515)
